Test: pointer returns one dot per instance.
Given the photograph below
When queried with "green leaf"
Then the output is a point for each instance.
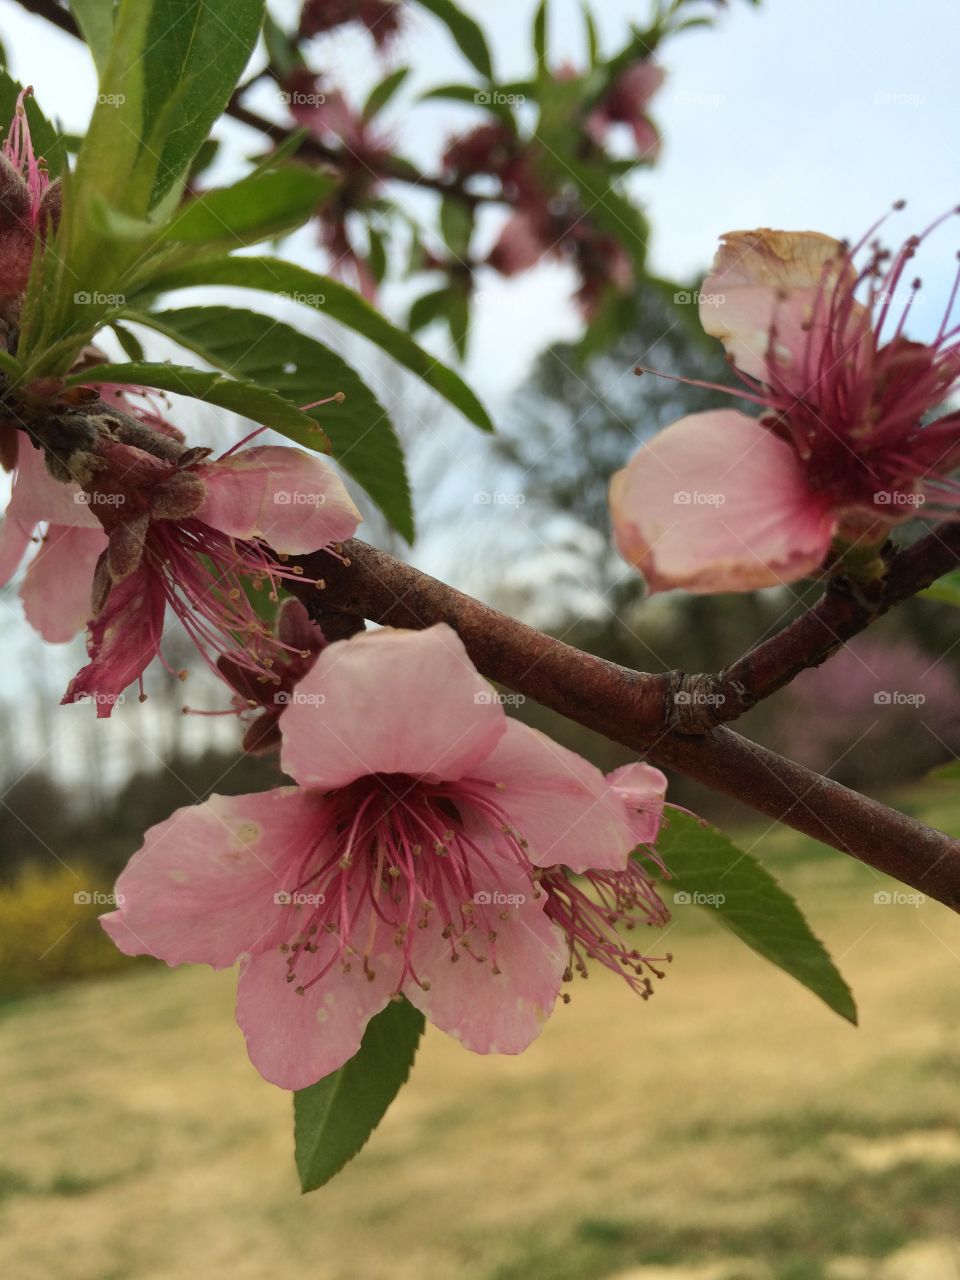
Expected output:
(593, 39)
(260, 404)
(48, 142)
(95, 20)
(469, 37)
(946, 772)
(458, 317)
(203, 48)
(249, 345)
(335, 300)
(427, 308)
(376, 253)
(263, 205)
(383, 92)
(946, 589)
(456, 225)
(540, 36)
(334, 1117)
(709, 870)
(132, 347)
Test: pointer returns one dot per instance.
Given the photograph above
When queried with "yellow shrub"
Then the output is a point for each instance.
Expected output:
(49, 930)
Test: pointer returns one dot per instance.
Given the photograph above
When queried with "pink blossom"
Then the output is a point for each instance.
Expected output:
(843, 449)
(407, 861)
(626, 103)
(56, 588)
(299, 641)
(382, 18)
(192, 537)
(363, 153)
(519, 247)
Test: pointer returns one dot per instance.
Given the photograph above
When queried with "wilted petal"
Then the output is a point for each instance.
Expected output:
(717, 502)
(770, 278)
(122, 640)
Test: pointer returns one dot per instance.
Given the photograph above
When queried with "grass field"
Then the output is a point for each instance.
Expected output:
(731, 1128)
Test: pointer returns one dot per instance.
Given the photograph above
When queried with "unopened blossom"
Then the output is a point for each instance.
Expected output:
(268, 694)
(626, 102)
(57, 517)
(382, 18)
(406, 862)
(193, 534)
(844, 447)
(29, 208)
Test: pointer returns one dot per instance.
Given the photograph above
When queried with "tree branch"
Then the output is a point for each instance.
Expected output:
(636, 710)
(838, 616)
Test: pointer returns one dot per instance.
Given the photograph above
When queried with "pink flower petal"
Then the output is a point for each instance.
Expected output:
(36, 496)
(562, 806)
(642, 789)
(295, 1040)
(763, 278)
(57, 587)
(202, 889)
(716, 502)
(15, 538)
(121, 641)
(491, 1012)
(390, 701)
(292, 500)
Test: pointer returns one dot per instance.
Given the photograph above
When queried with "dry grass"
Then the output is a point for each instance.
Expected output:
(731, 1128)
